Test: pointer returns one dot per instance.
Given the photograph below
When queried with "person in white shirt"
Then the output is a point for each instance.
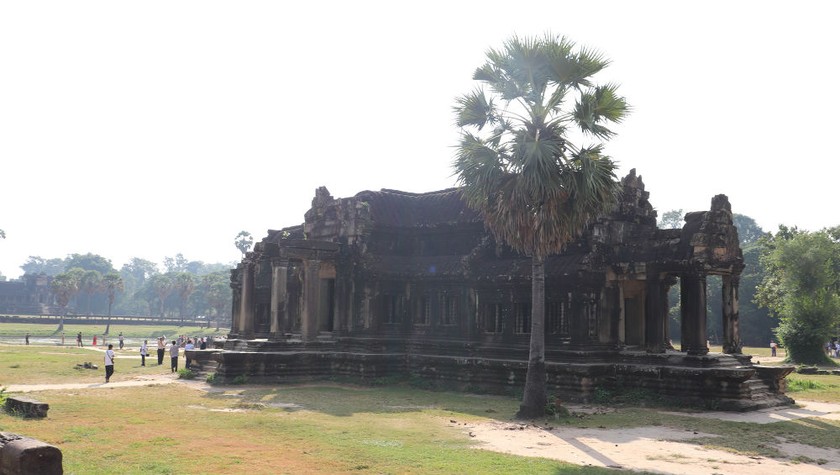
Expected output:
(173, 355)
(109, 363)
(189, 346)
(144, 350)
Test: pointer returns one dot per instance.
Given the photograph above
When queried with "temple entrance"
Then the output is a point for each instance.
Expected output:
(634, 313)
(326, 307)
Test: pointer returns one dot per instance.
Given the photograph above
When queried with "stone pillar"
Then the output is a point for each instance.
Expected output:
(279, 272)
(693, 306)
(311, 299)
(246, 308)
(655, 315)
(236, 301)
(667, 283)
(578, 319)
(731, 325)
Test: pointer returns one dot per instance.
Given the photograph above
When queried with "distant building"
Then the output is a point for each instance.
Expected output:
(31, 295)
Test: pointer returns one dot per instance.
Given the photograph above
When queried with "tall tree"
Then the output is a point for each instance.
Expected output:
(672, 219)
(175, 264)
(802, 287)
(139, 269)
(65, 286)
(38, 265)
(216, 288)
(112, 283)
(535, 189)
(90, 284)
(243, 242)
(90, 261)
(184, 284)
(162, 286)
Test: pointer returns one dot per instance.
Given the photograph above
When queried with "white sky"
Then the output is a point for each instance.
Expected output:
(157, 127)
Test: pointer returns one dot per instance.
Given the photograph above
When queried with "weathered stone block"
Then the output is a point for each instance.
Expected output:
(26, 456)
(26, 407)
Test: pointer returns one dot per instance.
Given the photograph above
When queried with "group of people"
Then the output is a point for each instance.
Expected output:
(833, 348)
(172, 348)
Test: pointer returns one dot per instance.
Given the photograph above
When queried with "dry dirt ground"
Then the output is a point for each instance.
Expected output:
(652, 449)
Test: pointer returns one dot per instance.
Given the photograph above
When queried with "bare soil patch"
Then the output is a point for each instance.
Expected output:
(660, 449)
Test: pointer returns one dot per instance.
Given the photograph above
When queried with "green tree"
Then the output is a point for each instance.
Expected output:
(748, 230)
(39, 265)
(672, 219)
(162, 286)
(112, 283)
(801, 287)
(243, 242)
(216, 288)
(65, 286)
(89, 261)
(184, 284)
(90, 284)
(535, 189)
(139, 269)
(175, 264)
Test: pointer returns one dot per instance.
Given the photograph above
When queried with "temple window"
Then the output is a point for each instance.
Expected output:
(449, 309)
(392, 307)
(522, 318)
(494, 316)
(555, 313)
(424, 310)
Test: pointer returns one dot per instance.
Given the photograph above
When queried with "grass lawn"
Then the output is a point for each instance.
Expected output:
(320, 427)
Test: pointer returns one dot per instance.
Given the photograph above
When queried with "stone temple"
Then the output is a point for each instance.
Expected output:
(395, 284)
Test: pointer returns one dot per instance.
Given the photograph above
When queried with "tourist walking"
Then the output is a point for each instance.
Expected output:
(161, 350)
(109, 363)
(773, 347)
(122, 341)
(144, 349)
(173, 355)
(189, 346)
(79, 339)
(27, 338)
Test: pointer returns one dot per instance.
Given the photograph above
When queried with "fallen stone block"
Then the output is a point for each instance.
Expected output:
(26, 407)
(21, 455)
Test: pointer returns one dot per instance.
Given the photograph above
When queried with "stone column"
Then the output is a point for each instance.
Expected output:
(693, 306)
(246, 308)
(731, 325)
(655, 315)
(311, 299)
(279, 271)
(236, 301)
(667, 283)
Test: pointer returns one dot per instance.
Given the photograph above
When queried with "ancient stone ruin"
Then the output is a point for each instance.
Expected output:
(390, 283)
(21, 455)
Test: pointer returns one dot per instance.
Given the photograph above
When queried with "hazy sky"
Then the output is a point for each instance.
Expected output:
(157, 127)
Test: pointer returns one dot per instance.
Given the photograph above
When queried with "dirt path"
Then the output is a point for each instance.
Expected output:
(660, 449)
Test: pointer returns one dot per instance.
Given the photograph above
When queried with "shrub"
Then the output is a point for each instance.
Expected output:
(186, 374)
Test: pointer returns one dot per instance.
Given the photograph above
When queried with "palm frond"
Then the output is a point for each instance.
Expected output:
(474, 109)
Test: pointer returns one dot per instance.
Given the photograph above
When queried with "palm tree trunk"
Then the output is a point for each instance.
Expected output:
(108, 326)
(534, 397)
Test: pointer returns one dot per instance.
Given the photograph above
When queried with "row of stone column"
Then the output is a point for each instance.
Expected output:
(243, 306)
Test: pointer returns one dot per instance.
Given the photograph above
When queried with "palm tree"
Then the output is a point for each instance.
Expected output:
(243, 242)
(65, 286)
(184, 283)
(535, 189)
(112, 283)
(90, 284)
(162, 286)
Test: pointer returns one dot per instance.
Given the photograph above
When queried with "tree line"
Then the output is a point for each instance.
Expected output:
(89, 284)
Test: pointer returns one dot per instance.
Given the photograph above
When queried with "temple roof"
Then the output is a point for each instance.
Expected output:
(403, 209)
